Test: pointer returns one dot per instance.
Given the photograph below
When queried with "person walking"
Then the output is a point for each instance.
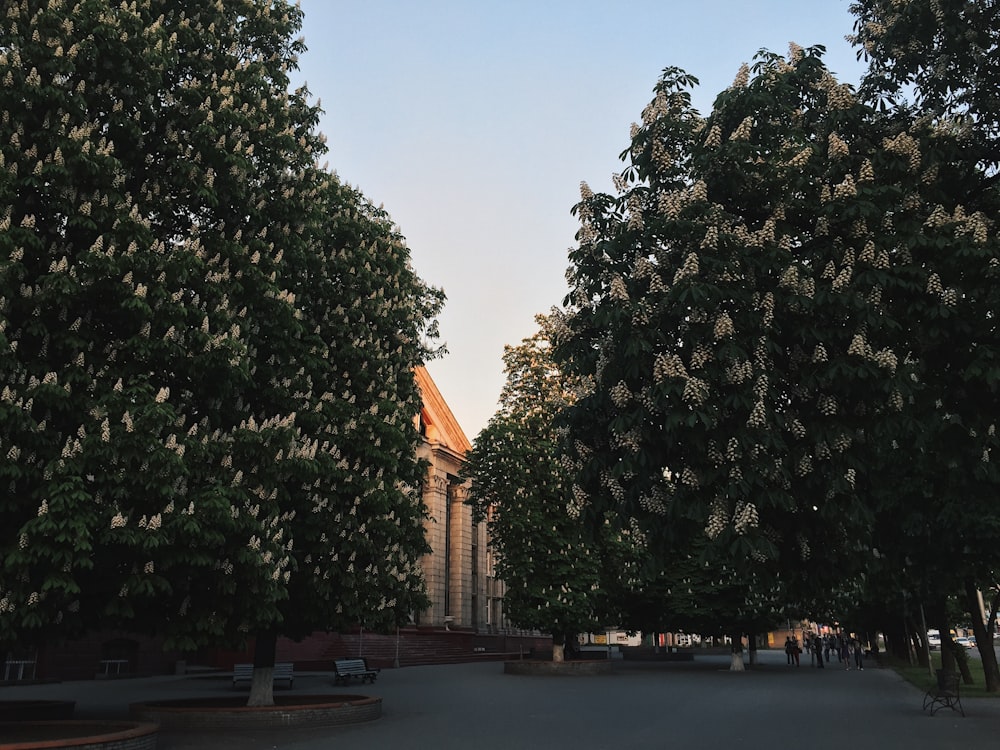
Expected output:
(859, 654)
(788, 650)
(845, 651)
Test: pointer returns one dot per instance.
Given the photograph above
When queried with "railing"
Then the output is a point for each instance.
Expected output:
(113, 666)
(19, 669)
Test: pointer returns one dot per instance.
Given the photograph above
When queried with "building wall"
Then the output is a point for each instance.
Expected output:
(456, 567)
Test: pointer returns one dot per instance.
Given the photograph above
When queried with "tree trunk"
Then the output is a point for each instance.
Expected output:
(895, 639)
(984, 641)
(262, 687)
(558, 647)
(752, 649)
(736, 662)
(938, 617)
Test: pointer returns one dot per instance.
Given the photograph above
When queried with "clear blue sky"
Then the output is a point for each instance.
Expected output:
(474, 121)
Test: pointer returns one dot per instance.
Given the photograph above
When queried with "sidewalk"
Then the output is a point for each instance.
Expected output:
(678, 705)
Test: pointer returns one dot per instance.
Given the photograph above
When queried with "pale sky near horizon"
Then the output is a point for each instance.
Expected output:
(474, 122)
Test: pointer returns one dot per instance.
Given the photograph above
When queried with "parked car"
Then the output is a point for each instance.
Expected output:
(965, 641)
(933, 640)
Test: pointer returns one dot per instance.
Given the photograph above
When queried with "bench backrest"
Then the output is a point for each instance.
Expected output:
(350, 665)
(947, 680)
(282, 670)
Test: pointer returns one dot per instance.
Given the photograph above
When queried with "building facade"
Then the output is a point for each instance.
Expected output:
(458, 570)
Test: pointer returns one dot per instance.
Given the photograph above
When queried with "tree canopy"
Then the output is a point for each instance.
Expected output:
(727, 306)
(206, 340)
(786, 313)
(550, 564)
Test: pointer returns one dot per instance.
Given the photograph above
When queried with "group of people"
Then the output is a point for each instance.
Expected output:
(820, 647)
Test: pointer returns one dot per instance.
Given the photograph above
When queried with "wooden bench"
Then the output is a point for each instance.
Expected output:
(345, 669)
(945, 694)
(283, 672)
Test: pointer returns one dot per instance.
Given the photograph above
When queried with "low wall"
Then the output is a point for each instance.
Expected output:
(289, 711)
(78, 735)
(576, 668)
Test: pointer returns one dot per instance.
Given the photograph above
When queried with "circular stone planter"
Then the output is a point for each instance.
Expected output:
(79, 735)
(36, 710)
(233, 713)
(586, 668)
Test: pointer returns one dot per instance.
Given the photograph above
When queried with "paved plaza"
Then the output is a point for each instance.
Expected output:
(672, 705)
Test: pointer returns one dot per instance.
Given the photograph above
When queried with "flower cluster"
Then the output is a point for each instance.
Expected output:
(628, 440)
(612, 485)
(758, 415)
(739, 372)
(711, 239)
(670, 203)
(851, 476)
(904, 145)
(804, 551)
(668, 366)
(827, 405)
(733, 449)
(842, 442)
(700, 356)
(718, 519)
(836, 147)
(620, 394)
(845, 189)
(742, 77)
(801, 158)
(635, 221)
(695, 391)
(860, 346)
(653, 505)
(689, 269)
(745, 518)
(723, 326)
(743, 130)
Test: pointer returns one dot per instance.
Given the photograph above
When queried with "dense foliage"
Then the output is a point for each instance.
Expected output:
(549, 563)
(787, 313)
(206, 341)
(727, 304)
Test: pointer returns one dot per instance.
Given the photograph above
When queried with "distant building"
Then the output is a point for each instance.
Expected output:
(458, 570)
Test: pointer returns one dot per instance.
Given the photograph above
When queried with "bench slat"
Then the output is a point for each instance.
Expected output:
(283, 672)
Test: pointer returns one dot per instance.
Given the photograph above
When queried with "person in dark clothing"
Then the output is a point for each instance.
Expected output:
(845, 651)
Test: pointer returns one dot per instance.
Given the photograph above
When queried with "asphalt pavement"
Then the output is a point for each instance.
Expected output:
(676, 705)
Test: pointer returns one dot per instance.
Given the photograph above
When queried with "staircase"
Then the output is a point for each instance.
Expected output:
(416, 647)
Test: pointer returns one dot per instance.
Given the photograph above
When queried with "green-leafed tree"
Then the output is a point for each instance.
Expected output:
(727, 306)
(933, 68)
(550, 563)
(125, 348)
(206, 342)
